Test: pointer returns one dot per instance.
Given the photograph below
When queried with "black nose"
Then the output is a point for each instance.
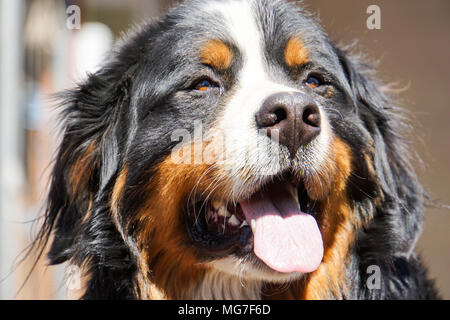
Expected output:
(295, 116)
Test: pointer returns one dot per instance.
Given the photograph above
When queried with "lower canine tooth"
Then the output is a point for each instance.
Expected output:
(253, 225)
(233, 221)
(244, 224)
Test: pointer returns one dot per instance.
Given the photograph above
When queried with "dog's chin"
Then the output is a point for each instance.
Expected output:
(251, 268)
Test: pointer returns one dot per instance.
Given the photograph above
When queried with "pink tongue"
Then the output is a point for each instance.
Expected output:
(285, 238)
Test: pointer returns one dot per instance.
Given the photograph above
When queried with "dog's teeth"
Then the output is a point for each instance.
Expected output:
(233, 221)
(223, 212)
(253, 225)
(244, 224)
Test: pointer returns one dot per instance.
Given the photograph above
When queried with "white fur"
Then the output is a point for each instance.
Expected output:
(244, 269)
(220, 286)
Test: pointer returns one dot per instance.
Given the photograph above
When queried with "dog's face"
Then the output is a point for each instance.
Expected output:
(247, 110)
(253, 103)
(230, 139)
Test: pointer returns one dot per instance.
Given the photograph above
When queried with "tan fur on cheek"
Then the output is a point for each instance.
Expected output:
(337, 222)
(168, 258)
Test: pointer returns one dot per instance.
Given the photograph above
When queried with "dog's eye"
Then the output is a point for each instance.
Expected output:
(313, 82)
(205, 85)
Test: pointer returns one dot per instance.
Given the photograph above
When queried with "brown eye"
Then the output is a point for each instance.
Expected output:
(205, 85)
(313, 82)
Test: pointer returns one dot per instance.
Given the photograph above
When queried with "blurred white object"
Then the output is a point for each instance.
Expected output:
(11, 169)
(91, 45)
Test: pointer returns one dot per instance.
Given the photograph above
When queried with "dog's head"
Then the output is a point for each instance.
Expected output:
(228, 140)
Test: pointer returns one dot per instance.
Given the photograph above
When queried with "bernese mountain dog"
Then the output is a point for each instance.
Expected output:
(230, 150)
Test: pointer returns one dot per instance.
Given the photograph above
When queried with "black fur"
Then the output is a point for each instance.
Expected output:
(127, 111)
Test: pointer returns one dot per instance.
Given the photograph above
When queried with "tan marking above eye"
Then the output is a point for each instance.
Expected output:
(295, 53)
(216, 54)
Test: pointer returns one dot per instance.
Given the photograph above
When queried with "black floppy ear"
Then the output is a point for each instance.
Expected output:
(86, 161)
(398, 218)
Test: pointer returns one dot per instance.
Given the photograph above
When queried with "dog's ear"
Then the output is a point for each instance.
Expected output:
(87, 160)
(398, 217)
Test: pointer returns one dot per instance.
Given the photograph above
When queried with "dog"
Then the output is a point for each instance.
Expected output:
(231, 150)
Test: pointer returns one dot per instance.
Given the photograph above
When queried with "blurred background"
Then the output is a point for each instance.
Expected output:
(48, 45)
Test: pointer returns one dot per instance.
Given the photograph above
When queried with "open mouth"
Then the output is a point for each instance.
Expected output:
(277, 223)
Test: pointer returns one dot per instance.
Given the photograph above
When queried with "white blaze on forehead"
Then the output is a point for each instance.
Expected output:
(246, 150)
(241, 26)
